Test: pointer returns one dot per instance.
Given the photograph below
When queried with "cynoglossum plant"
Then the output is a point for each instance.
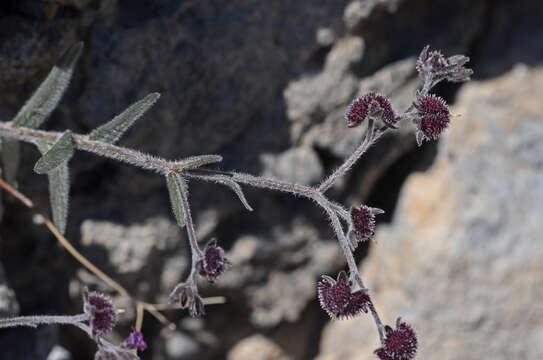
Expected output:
(428, 113)
(97, 320)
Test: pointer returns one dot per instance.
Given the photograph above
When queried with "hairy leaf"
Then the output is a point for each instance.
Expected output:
(61, 151)
(10, 160)
(112, 131)
(195, 162)
(40, 105)
(234, 186)
(59, 190)
(175, 197)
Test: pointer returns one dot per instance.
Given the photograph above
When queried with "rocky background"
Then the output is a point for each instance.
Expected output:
(265, 84)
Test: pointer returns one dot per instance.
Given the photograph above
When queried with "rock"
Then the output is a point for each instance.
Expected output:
(298, 165)
(8, 302)
(256, 347)
(59, 353)
(180, 346)
(462, 259)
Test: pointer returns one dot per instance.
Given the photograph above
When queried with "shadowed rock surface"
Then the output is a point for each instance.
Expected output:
(265, 84)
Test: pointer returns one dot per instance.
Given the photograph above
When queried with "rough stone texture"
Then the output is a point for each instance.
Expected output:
(256, 347)
(462, 259)
(265, 84)
(8, 302)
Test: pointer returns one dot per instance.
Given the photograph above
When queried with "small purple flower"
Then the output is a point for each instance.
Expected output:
(188, 297)
(101, 311)
(371, 104)
(213, 264)
(433, 117)
(338, 301)
(363, 224)
(135, 341)
(433, 66)
(399, 344)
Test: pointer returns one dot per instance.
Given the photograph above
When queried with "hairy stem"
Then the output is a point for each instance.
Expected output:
(82, 142)
(370, 138)
(34, 321)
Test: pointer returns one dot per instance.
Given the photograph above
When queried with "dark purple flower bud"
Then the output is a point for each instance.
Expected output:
(363, 224)
(338, 301)
(213, 263)
(188, 297)
(433, 66)
(399, 344)
(102, 313)
(371, 104)
(433, 117)
(135, 341)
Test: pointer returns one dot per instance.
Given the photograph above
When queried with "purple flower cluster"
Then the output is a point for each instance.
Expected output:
(433, 67)
(363, 224)
(433, 117)
(399, 344)
(338, 301)
(103, 315)
(213, 264)
(371, 104)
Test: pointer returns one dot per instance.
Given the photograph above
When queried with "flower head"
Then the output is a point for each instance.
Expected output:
(399, 344)
(371, 104)
(338, 301)
(187, 295)
(213, 264)
(135, 341)
(363, 224)
(102, 313)
(433, 66)
(433, 117)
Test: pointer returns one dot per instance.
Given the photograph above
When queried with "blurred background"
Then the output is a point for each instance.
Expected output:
(458, 253)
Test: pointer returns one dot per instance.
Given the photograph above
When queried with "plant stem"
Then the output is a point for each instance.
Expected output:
(34, 321)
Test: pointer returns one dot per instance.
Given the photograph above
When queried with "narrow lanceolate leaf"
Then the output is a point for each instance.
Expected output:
(61, 151)
(195, 162)
(40, 105)
(59, 190)
(10, 160)
(175, 197)
(112, 131)
(234, 186)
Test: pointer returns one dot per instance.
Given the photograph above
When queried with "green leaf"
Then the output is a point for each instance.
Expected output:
(227, 181)
(59, 190)
(195, 162)
(112, 131)
(10, 160)
(174, 182)
(61, 151)
(46, 98)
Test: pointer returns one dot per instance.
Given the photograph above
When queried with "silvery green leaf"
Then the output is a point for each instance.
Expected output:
(195, 162)
(226, 180)
(59, 190)
(61, 151)
(175, 197)
(112, 131)
(10, 159)
(40, 105)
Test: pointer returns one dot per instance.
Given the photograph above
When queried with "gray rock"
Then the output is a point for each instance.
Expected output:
(8, 301)
(59, 353)
(462, 259)
(257, 347)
